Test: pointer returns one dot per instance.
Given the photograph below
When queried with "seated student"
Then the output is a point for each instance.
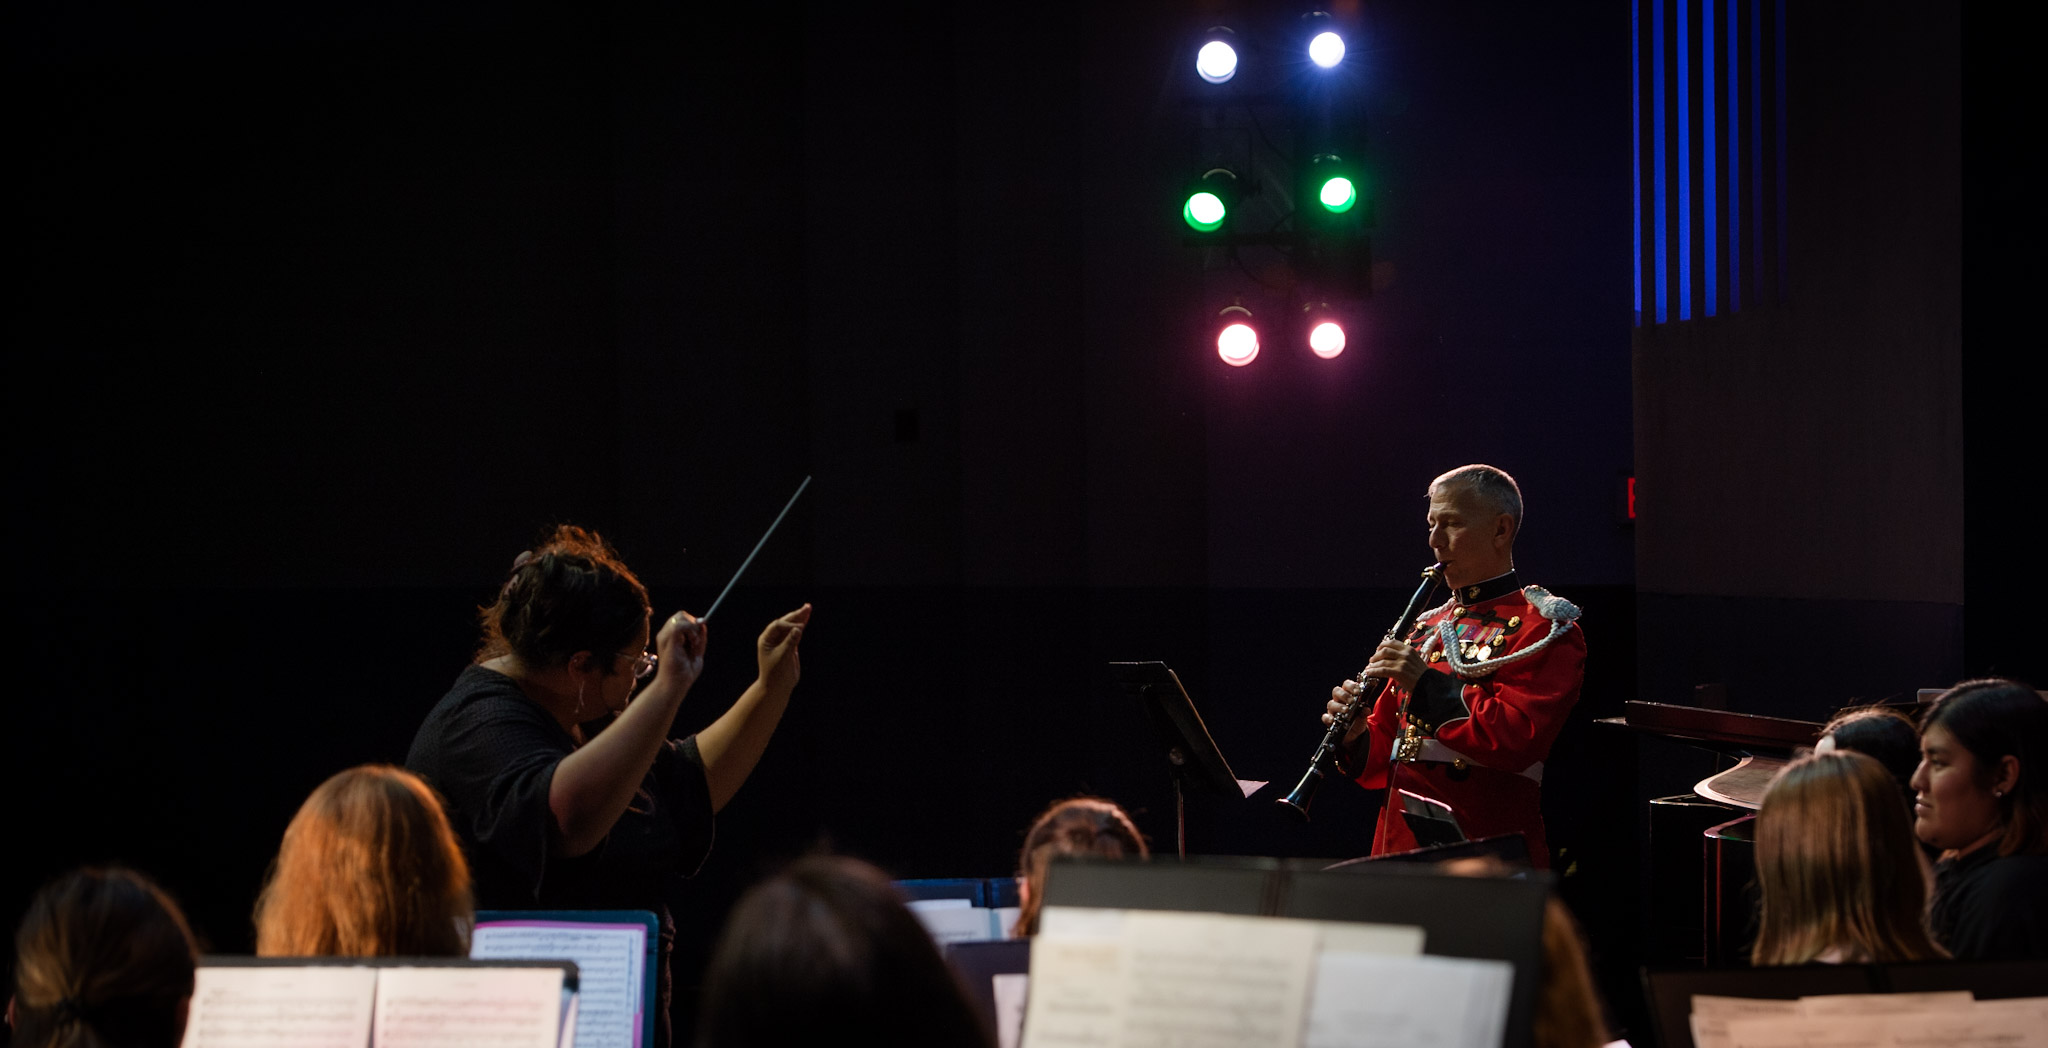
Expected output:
(369, 868)
(1568, 1009)
(1983, 799)
(827, 953)
(1885, 734)
(103, 957)
(1079, 826)
(1837, 868)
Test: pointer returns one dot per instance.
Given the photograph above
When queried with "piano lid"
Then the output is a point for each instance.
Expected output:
(1743, 785)
(1722, 730)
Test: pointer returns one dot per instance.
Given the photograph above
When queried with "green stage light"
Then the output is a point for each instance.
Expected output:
(1204, 212)
(1338, 194)
(1210, 198)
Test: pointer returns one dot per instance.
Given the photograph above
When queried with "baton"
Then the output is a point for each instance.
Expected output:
(706, 617)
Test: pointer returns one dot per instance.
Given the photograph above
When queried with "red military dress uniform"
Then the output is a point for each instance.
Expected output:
(1505, 667)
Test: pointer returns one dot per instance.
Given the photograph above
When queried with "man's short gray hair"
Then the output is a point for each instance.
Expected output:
(1491, 484)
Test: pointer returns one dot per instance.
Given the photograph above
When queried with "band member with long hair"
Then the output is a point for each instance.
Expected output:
(1837, 867)
(103, 958)
(1982, 797)
(369, 868)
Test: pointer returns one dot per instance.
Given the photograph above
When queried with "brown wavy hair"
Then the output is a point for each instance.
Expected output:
(571, 593)
(1078, 826)
(369, 868)
(1838, 866)
(103, 958)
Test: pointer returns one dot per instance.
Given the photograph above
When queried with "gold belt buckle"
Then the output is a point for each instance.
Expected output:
(1408, 748)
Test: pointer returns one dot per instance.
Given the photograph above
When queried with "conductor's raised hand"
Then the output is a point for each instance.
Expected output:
(680, 644)
(776, 650)
(1397, 661)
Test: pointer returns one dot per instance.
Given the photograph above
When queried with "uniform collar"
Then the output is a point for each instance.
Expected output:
(1480, 592)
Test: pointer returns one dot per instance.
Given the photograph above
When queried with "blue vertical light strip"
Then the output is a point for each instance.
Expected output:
(1734, 79)
(1784, 238)
(1684, 165)
(1756, 144)
(1635, 138)
(1710, 227)
(1657, 134)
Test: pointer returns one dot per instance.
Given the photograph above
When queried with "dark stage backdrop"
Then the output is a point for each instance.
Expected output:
(1802, 456)
(331, 312)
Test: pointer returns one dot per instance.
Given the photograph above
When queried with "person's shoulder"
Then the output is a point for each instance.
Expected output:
(479, 696)
(2016, 876)
(1547, 604)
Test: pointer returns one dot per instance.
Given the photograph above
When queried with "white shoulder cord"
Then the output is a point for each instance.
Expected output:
(1561, 613)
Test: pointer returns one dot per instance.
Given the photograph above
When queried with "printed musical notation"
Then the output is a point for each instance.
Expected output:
(342, 1006)
(1904, 1020)
(281, 1008)
(610, 960)
(468, 1008)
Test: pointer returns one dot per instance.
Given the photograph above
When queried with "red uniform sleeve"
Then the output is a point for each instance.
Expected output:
(1382, 727)
(1518, 710)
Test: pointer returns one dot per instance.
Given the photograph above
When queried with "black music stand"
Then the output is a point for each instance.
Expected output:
(1190, 752)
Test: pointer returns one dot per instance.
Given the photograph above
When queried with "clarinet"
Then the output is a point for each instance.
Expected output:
(1325, 758)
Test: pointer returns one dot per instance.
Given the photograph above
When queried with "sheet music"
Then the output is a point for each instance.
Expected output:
(611, 970)
(1711, 1016)
(1397, 940)
(263, 1007)
(1077, 989)
(1902, 1020)
(1081, 921)
(1215, 981)
(1011, 989)
(954, 920)
(1945, 1026)
(468, 1007)
(1370, 1000)
(1142, 978)
(1884, 1003)
(2034, 1006)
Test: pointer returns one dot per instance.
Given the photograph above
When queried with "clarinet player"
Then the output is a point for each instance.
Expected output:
(1478, 690)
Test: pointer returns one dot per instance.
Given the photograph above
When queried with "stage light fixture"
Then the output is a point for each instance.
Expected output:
(1325, 327)
(1237, 342)
(1325, 43)
(1338, 194)
(1334, 186)
(1209, 200)
(1216, 58)
(1326, 339)
(1326, 50)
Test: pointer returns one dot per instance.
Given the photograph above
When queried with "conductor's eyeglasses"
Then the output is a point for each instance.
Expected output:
(643, 664)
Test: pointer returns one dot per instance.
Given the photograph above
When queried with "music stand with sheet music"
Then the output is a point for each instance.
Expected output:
(1190, 752)
(623, 925)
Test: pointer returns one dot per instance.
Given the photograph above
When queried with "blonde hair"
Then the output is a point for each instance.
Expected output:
(369, 868)
(103, 958)
(1838, 867)
(1079, 826)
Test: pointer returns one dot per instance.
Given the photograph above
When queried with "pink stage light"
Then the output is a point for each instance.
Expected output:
(1238, 345)
(1327, 339)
